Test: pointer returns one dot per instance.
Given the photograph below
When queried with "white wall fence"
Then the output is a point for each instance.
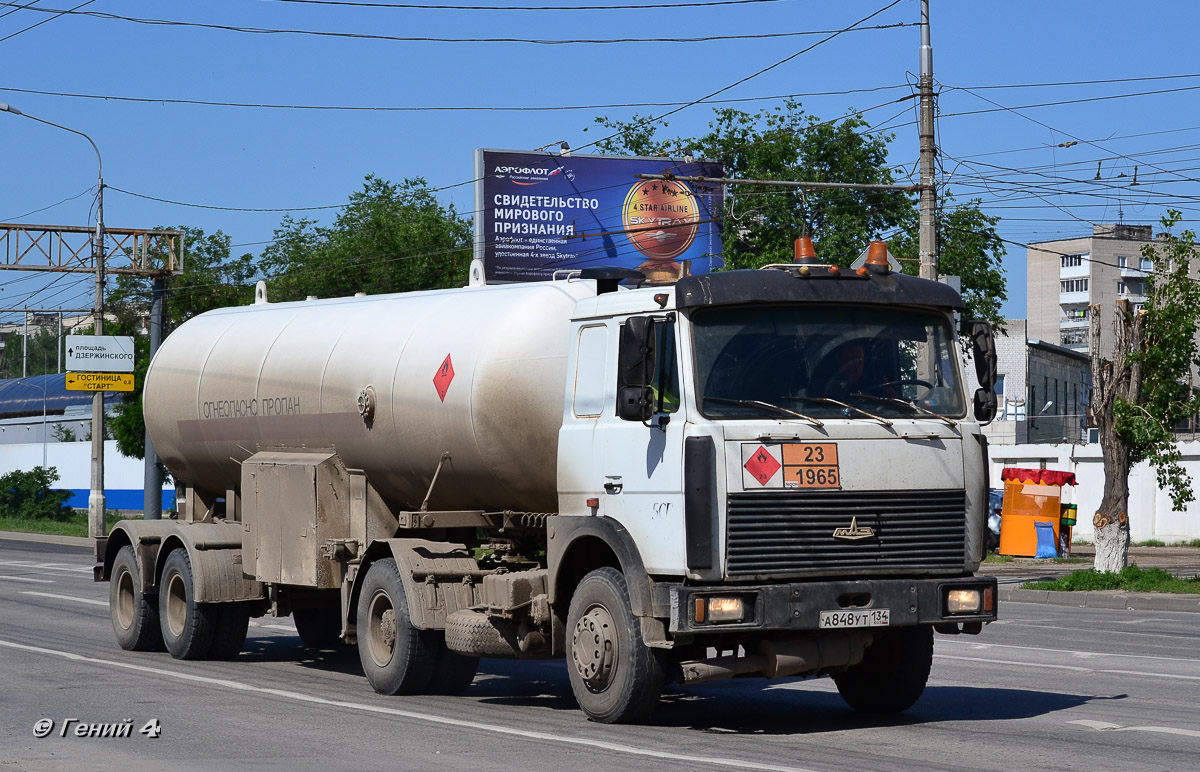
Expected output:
(124, 477)
(1150, 512)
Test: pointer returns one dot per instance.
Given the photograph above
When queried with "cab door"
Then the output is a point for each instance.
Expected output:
(641, 461)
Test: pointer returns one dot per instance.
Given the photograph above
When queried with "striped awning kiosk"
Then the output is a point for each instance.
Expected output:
(1031, 518)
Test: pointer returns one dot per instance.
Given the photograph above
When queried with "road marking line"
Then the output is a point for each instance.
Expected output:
(410, 714)
(285, 628)
(1081, 654)
(27, 579)
(1104, 726)
(50, 566)
(1076, 668)
(89, 601)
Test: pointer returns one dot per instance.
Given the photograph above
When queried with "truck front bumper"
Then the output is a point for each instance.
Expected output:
(798, 606)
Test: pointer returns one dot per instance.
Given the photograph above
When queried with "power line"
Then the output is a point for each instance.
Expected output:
(1001, 108)
(44, 208)
(434, 108)
(424, 7)
(1105, 81)
(421, 39)
(29, 7)
(750, 77)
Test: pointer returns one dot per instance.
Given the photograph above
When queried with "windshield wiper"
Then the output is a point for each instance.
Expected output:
(763, 406)
(846, 406)
(906, 403)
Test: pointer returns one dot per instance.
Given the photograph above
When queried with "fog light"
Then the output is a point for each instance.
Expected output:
(725, 609)
(963, 602)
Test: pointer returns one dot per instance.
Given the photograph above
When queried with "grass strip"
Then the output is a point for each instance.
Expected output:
(75, 525)
(1131, 579)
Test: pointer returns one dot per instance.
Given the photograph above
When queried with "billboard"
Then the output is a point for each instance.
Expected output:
(539, 212)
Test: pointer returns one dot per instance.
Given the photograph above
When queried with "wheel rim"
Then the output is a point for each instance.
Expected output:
(381, 628)
(125, 599)
(177, 605)
(594, 647)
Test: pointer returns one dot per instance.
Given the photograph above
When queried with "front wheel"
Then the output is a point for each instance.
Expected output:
(616, 678)
(892, 674)
(397, 658)
(134, 614)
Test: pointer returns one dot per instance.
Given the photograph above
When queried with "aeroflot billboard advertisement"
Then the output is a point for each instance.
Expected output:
(538, 213)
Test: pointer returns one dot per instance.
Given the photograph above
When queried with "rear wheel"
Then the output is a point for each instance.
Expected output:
(134, 614)
(397, 658)
(616, 678)
(452, 672)
(319, 628)
(188, 627)
(229, 634)
(892, 674)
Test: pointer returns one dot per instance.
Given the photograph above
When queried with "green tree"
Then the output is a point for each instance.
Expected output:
(40, 357)
(28, 495)
(1143, 391)
(389, 238)
(211, 278)
(786, 143)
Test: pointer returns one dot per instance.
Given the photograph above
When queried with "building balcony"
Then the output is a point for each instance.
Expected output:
(1072, 298)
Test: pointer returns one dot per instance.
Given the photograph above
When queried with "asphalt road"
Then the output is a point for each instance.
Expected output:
(1047, 687)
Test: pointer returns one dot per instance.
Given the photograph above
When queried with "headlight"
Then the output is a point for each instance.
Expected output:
(963, 602)
(720, 609)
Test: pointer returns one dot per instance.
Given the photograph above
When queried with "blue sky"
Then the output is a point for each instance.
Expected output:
(246, 158)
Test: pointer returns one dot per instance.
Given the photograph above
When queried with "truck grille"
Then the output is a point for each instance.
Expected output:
(792, 532)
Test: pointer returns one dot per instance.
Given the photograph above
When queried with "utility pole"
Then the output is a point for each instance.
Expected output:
(928, 230)
(153, 482)
(96, 500)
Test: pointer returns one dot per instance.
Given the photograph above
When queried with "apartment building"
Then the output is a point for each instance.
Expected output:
(1067, 277)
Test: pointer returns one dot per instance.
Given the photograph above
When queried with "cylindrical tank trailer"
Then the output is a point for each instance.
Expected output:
(390, 382)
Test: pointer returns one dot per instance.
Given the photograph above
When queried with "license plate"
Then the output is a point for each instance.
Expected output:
(871, 617)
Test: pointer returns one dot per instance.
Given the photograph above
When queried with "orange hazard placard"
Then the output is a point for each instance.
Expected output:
(811, 465)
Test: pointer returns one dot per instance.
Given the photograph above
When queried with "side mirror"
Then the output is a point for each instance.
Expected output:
(983, 346)
(635, 369)
(635, 403)
(636, 358)
(985, 405)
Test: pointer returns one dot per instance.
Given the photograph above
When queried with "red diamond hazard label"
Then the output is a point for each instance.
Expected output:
(441, 381)
(762, 465)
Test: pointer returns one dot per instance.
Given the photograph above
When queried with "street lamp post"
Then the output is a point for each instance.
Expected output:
(44, 399)
(96, 498)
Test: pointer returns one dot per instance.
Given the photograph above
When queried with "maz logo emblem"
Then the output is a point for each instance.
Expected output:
(853, 533)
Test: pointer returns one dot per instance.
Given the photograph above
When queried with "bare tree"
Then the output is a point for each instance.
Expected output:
(1141, 392)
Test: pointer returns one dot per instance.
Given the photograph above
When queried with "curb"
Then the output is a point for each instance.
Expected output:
(47, 538)
(1104, 599)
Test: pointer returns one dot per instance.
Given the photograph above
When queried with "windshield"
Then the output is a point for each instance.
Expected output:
(825, 361)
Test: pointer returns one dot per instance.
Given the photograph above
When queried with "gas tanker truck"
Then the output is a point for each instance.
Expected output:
(768, 473)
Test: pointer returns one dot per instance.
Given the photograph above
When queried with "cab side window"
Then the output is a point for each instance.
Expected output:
(666, 370)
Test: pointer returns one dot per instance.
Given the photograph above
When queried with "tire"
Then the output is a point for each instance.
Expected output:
(452, 672)
(397, 658)
(616, 678)
(188, 627)
(483, 635)
(134, 614)
(893, 673)
(232, 622)
(319, 628)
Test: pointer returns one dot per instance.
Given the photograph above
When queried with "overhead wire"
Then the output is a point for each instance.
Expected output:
(29, 7)
(424, 6)
(430, 39)
(436, 108)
